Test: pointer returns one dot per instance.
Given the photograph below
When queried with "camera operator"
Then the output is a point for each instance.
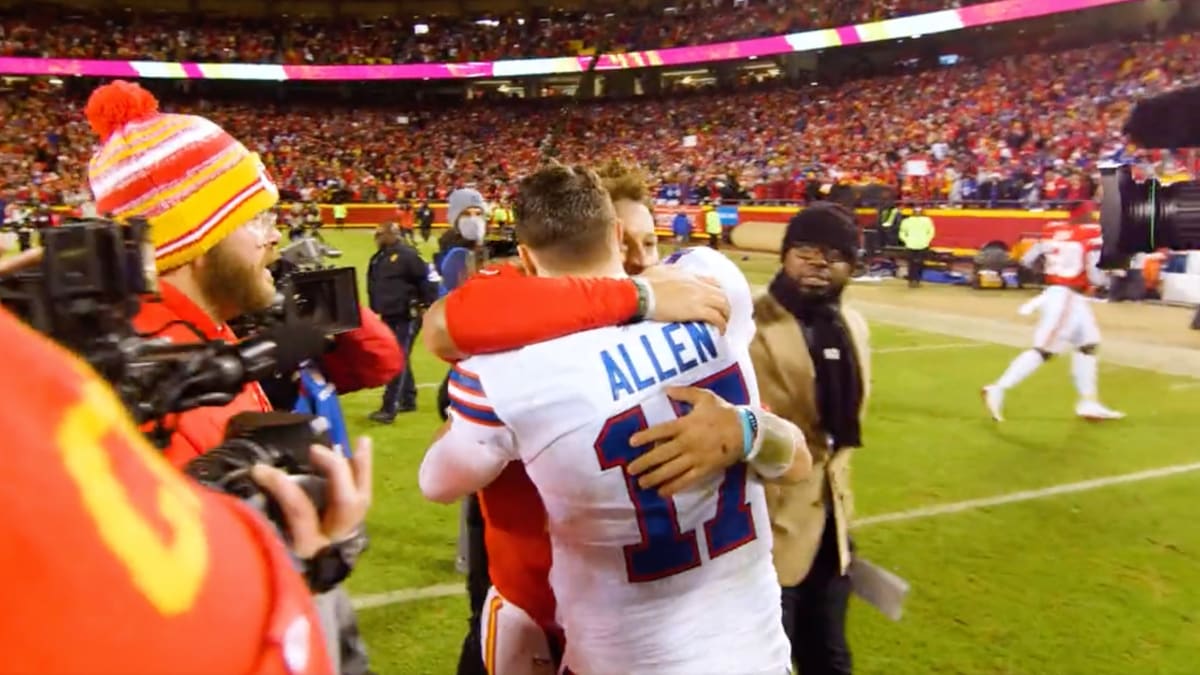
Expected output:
(214, 235)
(398, 287)
(200, 581)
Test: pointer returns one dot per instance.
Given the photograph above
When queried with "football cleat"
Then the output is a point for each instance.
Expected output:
(993, 397)
(1095, 411)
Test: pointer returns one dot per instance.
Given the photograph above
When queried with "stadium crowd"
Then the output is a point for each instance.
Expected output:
(167, 37)
(1027, 128)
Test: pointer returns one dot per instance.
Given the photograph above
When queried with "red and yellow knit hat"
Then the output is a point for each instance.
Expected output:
(192, 181)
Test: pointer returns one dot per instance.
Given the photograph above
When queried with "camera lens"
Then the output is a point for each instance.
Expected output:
(1142, 217)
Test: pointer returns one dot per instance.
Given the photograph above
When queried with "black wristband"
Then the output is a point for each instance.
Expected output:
(325, 570)
(643, 300)
(332, 564)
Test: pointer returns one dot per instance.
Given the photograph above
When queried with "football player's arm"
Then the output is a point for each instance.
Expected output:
(469, 451)
(713, 436)
(1032, 254)
(466, 322)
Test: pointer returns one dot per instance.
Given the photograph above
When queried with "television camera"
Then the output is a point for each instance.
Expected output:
(1140, 217)
(93, 277)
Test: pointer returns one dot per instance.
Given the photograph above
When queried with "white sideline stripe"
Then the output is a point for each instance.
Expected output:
(1026, 495)
(408, 595)
(1178, 386)
(932, 348)
(449, 590)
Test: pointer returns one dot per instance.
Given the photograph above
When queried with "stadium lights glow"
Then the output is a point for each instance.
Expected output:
(491, 23)
(420, 28)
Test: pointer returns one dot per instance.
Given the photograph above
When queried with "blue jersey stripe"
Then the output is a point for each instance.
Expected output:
(467, 382)
(674, 257)
(475, 413)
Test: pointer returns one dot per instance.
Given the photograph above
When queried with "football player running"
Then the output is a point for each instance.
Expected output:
(1069, 251)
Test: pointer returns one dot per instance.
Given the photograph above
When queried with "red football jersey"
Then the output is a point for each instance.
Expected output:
(116, 563)
(1070, 250)
(518, 543)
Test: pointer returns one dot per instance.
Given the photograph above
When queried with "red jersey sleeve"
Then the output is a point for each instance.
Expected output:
(366, 357)
(125, 566)
(540, 308)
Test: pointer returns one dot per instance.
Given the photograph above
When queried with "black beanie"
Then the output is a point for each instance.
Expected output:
(823, 224)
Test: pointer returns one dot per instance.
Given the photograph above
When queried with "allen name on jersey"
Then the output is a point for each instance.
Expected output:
(668, 352)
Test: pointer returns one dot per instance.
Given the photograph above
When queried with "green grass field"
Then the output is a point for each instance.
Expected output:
(1104, 580)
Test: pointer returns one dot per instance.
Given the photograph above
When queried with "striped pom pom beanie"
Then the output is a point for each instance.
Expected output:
(192, 181)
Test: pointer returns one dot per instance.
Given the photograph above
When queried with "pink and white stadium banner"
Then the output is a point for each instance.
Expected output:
(904, 27)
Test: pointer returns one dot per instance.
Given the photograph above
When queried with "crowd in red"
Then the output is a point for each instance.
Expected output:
(165, 37)
(1028, 127)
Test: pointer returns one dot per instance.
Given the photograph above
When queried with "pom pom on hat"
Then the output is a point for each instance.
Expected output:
(116, 104)
(219, 185)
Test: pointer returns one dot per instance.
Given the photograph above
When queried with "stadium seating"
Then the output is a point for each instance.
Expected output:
(1028, 128)
(73, 33)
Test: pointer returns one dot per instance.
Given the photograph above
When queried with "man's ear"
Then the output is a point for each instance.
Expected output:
(527, 260)
(622, 242)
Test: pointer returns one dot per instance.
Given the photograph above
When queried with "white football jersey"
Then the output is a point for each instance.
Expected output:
(644, 584)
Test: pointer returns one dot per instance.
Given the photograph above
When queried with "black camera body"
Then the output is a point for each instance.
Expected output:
(309, 291)
(277, 439)
(1140, 217)
(94, 276)
(87, 290)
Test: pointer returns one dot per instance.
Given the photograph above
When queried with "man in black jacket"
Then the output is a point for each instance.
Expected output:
(398, 287)
(425, 220)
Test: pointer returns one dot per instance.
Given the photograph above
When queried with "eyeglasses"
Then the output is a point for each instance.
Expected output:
(262, 226)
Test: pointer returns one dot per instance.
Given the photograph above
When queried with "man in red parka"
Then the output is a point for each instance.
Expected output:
(209, 202)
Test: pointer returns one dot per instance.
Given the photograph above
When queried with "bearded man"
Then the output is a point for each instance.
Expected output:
(209, 202)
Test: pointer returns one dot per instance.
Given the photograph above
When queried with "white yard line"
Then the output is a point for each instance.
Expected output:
(404, 595)
(1026, 495)
(1179, 386)
(932, 348)
(449, 590)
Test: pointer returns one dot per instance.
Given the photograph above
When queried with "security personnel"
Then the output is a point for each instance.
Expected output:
(916, 233)
(425, 220)
(712, 226)
(889, 219)
(398, 286)
(502, 219)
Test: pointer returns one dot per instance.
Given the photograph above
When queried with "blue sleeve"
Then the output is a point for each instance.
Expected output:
(454, 268)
